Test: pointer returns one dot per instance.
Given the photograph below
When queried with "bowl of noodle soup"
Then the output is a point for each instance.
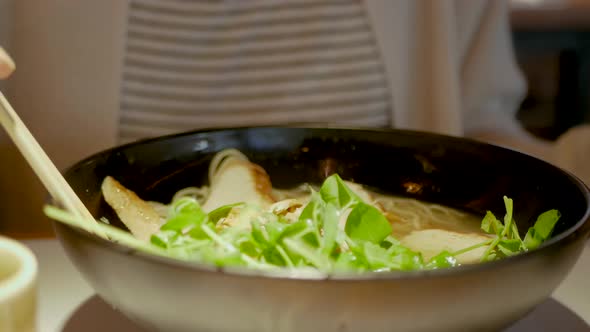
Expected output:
(431, 182)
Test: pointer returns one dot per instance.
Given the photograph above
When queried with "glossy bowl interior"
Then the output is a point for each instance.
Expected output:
(451, 171)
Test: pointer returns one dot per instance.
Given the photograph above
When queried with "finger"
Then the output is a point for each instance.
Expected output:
(6, 64)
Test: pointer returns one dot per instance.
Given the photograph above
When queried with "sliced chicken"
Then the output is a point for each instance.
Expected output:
(139, 216)
(239, 181)
(431, 242)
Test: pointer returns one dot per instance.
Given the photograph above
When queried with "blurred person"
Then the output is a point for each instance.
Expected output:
(122, 71)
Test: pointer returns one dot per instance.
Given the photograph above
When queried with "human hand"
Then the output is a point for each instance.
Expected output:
(572, 152)
(6, 64)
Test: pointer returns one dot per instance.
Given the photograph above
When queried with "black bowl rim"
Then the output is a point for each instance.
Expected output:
(580, 228)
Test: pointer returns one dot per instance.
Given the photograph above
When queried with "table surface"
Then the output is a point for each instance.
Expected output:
(62, 290)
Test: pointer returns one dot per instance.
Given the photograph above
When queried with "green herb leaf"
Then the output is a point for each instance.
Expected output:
(542, 229)
(330, 228)
(312, 210)
(443, 260)
(348, 261)
(404, 259)
(491, 225)
(299, 227)
(184, 221)
(164, 239)
(376, 256)
(510, 230)
(221, 212)
(259, 234)
(186, 205)
(367, 223)
(275, 230)
(250, 248)
(490, 253)
(389, 242)
(335, 191)
(299, 247)
(184, 214)
(510, 247)
(508, 203)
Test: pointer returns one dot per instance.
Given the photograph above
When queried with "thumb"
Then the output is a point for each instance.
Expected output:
(6, 64)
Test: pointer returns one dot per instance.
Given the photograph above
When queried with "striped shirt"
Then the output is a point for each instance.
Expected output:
(215, 63)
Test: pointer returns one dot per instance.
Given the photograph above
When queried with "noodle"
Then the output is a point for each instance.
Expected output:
(300, 191)
(409, 214)
(198, 193)
(405, 214)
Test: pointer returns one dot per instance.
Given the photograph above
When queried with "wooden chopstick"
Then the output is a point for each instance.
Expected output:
(49, 175)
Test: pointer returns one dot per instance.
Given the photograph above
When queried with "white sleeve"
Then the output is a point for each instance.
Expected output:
(452, 68)
(492, 88)
(492, 85)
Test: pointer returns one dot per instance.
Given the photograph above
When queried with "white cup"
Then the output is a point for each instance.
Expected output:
(18, 287)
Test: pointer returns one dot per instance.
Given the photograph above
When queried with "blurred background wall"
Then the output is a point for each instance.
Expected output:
(552, 39)
(35, 33)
